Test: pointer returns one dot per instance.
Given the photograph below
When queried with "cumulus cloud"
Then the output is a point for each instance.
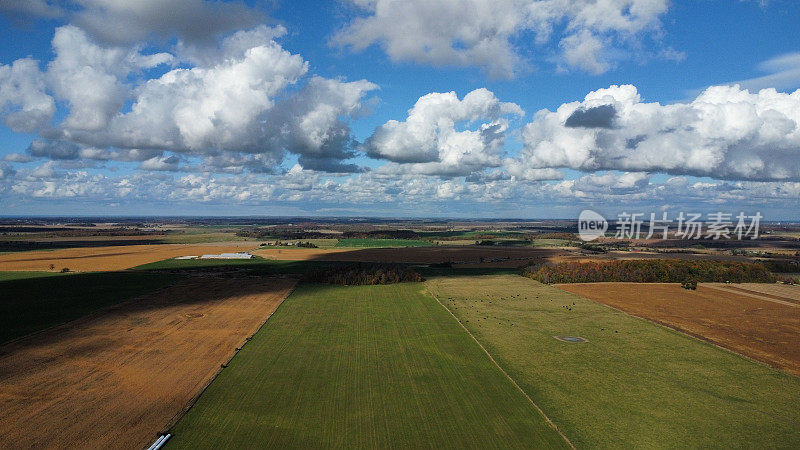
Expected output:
(92, 78)
(483, 33)
(428, 136)
(238, 97)
(310, 123)
(24, 104)
(726, 133)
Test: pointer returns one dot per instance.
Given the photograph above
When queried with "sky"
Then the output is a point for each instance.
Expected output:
(399, 108)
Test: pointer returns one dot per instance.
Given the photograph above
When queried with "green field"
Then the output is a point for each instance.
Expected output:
(362, 367)
(381, 243)
(633, 384)
(20, 275)
(34, 303)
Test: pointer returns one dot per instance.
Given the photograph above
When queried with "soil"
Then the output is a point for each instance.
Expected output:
(118, 378)
(759, 328)
(112, 257)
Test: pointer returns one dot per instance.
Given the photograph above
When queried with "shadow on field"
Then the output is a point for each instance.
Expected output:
(26, 246)
(32, 305)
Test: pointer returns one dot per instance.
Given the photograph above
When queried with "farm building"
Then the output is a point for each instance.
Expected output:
(228, 256)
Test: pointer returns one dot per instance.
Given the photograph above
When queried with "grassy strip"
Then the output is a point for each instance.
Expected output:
(34, 303)
(381, 243)
(362, 367)
(21, 275)
(634, 383)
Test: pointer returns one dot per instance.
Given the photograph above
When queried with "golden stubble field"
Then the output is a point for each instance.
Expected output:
(765, 328)
(116, 378)
(112, 257)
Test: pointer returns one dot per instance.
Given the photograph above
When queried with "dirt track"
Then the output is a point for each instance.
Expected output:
(112, 258)
(115, 379)
(761, 329)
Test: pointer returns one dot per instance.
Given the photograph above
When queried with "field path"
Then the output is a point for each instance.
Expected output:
(750, 293)
(117, 378)
(549, 421)
(362, 367)
(631, 383)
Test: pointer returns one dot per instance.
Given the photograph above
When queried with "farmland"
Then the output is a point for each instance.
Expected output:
(34, 301)
(115, 379)
(633, 383)
(353, 364)
(756, 327)
(362, 367)
(110, 258)
(380, 243)
(472, 256)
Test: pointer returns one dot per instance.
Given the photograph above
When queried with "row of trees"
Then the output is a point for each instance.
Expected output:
(652, 271)
(364, 274)
(381, 234)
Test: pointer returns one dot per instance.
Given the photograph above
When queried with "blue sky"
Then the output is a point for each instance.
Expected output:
(308, 108)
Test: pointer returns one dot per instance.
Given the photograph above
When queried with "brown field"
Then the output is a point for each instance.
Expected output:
(787, 292)
(760, 328)
(462, 256)
(470, 256)
(112, 258)
(117, 378)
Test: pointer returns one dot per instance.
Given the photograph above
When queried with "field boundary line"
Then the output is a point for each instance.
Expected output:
(186, 408)
(679, 331)
(750, 294)
(491, 358)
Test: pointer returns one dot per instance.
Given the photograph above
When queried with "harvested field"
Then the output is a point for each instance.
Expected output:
(112, 257)
(760, 328)
(117, 378)
(787, 292)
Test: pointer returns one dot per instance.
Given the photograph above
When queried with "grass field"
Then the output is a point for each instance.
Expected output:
(362, 367)
(381, 243)
(633, 384)
(7, 276)
(35, 303)
(747, 322)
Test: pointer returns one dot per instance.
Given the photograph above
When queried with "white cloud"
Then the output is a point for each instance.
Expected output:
(725, 133)
(24, 104)
(483, 33)
(92, 77)
(161, 163)
(783, 73)
(310, 123)
(237, 98)
(428, 136)
(584, 51)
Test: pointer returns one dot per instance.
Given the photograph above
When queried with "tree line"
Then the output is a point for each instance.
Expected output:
(652, 271)
(364, 274)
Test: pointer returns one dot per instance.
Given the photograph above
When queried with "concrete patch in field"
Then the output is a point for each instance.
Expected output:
(571, 339)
